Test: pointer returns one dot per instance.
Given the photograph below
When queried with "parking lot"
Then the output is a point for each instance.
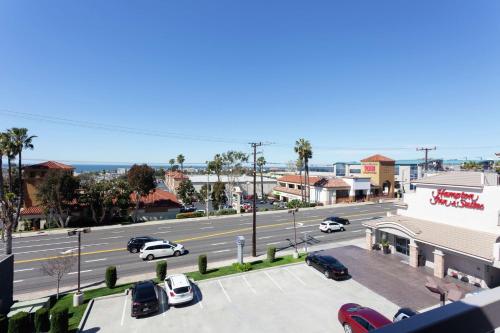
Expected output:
(294, 298)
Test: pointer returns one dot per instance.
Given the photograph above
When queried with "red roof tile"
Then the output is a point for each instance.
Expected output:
(50, 165)
(296, 179)
(33, 210)
(157, 197)
(315, 181)
(334, 182)
(377, 158)
(176, 175)
(287, 190)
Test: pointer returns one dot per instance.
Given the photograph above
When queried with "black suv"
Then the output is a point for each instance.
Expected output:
(144, 298)
(337, 219)
(135, 243)
(328, 265)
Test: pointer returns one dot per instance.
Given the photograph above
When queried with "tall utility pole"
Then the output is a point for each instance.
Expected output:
(254, 210)
(426, 165)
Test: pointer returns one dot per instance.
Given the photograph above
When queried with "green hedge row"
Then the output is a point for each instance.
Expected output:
(189, 215)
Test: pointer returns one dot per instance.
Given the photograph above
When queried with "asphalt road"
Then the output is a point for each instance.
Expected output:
(214, 237)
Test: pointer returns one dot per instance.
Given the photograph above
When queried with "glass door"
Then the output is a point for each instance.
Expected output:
(403, 245)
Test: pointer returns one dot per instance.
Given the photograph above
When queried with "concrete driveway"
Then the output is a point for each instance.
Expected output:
(294, 298)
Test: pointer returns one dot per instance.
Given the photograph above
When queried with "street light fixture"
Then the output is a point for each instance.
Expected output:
(78, 297)
(293, 211)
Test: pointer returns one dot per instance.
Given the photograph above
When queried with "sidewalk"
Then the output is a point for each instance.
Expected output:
(360, 242)
(115, 226)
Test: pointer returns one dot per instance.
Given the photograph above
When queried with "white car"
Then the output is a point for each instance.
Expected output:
(178, 289)
(329, 226)
(157, 249)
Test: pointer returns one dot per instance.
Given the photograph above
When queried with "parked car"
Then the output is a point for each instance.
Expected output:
(403, 313)
(337, 219)
(159, 249)
(144, 298)
(135, 243)
(358, 319)
(328, 265)
(178, 289)
(188, 209)
(329, 226)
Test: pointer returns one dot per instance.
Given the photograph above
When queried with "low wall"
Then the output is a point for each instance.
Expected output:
(6, 282)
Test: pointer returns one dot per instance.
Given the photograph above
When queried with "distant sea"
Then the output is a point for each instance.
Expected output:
(79, 168)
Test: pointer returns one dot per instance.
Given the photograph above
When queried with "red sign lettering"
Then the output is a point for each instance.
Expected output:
(455, 199)
(369, 168)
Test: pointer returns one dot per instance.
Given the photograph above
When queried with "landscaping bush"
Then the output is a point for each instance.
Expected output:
(271, 253)
(161, 270)
(189, 215)
(4, 323)
(242, 267)
(19, 323)
(110, 277)
(228, 211)
(59, 320)
(42, 322)
(202, 263)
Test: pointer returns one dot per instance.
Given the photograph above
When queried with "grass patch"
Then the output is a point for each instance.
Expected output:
(254, 265)
(76, 313)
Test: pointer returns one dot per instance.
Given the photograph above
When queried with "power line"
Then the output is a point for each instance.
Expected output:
(426, 165)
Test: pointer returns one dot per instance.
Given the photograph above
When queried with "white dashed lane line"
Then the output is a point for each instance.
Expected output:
(85, 271)
(220, 251)
(94, 260)
(23, 270)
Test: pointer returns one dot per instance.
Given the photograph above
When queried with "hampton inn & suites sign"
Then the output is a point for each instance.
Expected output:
(447, 198)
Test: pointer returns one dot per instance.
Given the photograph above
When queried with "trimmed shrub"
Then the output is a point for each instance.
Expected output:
(161, 270)
(59, 321)
(42, 322)
(4, 323)
(189, 215)
(19, 323)
(245, 267)
(111, 277)
(202, 263)
(271, 253)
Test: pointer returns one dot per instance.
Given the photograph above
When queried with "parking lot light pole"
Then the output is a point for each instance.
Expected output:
(79, 233)
(293, 211)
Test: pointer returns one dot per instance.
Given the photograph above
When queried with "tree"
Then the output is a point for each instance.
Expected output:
(141, 180)
(304, 150)
(186, 192)
(471, 165)
(180, 160)
(58, 266)
(261, 161)
(300, 165)
(56, 194)
(203, 194)
(13, 142)
(232, 162)
(171, 162)
(219, 197)
(216, 166)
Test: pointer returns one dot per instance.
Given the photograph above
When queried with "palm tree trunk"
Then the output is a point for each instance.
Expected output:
(301, 185)
(1, 196)
(21, 191)
(8, 237)
(9, 163)
(136, 212)
(308, 197)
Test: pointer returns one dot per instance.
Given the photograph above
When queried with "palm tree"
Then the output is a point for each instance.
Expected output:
(4, 143)
(171, 162)
(300, 164)
(180, 160)
(261, 161)
(304, 150)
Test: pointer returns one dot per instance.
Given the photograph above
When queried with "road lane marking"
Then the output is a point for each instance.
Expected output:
(295, 276)
(233, 231)
(94, 260)
(165, 228)
(85, 271)
(273, 243)
(162, 232)
(358, 230)
(216, 244)
(37, 240)
(273, 281)
(117, 232)
(248, 284)
(23, 270)
(17, 281)
(220, 251)
(22, 247)
(203, 228)
(112, 237)
(224, 291)
(124, 308)
(265, 237)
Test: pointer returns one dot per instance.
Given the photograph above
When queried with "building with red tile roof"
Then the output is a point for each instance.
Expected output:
(156, 198)
(378, 158)
(173, 179)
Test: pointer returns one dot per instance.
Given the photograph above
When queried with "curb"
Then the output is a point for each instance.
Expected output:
(85, 316)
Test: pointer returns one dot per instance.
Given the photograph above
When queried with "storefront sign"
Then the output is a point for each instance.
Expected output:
(369, 169)
(455, 199)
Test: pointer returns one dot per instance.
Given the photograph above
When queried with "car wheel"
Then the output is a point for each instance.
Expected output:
(327, 274)
(177, 253)
(330, 231)
(150, 257)
(308, 262)
(342, 229)
(347, 328)
(133, 250)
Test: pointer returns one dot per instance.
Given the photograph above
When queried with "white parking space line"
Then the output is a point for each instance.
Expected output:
(273, 243)
(216, 244)
(23, 270)
(220, 251)
(94, 260)
(274, 282)
(224, 291)
(248, 284)
(265, 237)
(85, 271)
(17, 281)
(295, 276)
(124, 308)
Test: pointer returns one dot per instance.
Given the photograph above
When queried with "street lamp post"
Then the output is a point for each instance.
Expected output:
(78, 297)
(293, 211)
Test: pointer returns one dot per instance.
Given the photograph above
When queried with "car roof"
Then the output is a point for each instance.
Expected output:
(144, 284)
(373, 317)
(158, 242)
(179, 280)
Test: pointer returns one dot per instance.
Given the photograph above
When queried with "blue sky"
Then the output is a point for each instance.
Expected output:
(353, 77)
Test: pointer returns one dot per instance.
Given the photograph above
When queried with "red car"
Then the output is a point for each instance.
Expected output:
(357, 319)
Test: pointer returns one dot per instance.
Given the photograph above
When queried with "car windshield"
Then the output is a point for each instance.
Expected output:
(181, 290)
(173, 244)
(324, 223)
(144, 292)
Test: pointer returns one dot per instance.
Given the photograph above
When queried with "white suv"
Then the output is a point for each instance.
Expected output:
(178, 289)
(329, 226)
(158, 249)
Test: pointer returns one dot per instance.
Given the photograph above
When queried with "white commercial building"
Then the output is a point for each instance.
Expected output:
(451, 225)
(244, 182)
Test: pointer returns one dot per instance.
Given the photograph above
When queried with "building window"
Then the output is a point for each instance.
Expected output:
(355, 171)
(396, 170)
